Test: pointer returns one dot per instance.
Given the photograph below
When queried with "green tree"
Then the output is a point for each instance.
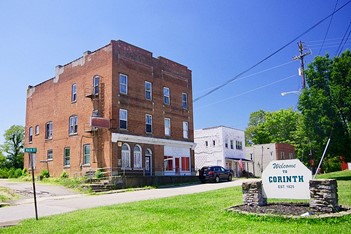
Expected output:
(270, 127)
(13, 146)
(326, 105)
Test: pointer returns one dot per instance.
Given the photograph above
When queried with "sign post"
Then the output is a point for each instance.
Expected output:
(31, 152)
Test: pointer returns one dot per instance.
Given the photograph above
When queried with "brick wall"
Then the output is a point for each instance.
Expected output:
(51, 101)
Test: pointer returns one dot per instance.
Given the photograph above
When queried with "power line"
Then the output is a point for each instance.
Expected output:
(249, 91)
(256, 73)
(338, 52)
(269, 56)
(331, 19)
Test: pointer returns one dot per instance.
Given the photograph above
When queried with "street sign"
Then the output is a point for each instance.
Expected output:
(30, 150)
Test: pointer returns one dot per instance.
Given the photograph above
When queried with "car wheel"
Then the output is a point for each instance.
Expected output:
(217, 179)
(230, 178)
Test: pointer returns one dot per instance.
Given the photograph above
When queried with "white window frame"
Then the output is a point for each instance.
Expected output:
(148, 90)
(137, 153)
(73, 125)
(123, 116)
(167, 123)
(166, 96)
(86, 155)
(185, 101)
(74, 93)
(96, 83)
(66, 158)
(239, 145)
(148, 123)
(36, 130)
(50, 155)
(123, 84)
(48, 130)
(30, 134)
(125, 156)
(186, 130)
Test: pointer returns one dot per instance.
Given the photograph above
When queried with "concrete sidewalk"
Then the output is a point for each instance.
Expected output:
(62, 204)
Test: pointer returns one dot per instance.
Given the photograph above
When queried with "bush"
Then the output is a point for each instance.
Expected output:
(24, 172)
(99, 174)
(44, 174)
(18, 173)
(64, 175)
(332, 164)
(11, 173)
(4, 173)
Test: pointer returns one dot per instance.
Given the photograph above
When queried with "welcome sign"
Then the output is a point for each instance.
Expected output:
(286, 179)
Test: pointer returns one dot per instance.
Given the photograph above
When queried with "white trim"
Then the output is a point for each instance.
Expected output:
(151, 140)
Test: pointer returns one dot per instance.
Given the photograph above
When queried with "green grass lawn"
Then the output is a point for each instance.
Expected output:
(195, 213)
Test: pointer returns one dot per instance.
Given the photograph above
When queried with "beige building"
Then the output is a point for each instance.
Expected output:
(261, 155)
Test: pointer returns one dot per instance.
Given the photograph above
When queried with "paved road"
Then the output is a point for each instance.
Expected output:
(50, 205)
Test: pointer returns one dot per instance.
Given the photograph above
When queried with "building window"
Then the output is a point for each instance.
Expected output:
(123, 119)
(49, 155)
(206, 143)
(185, 130)
(148, 90)
(226, 144)
(125, 156)
(291, 156)
(167, 127)
(168, 163)
(137, 157)
(30, 134)
(73, 125)
(185, 163)
(184, 101)
(239, 145)
(96, 82)
(166, 96)
(86, 156)
(231, 144)
(214, 143)
(48, 130)
(123, 84)
(74, 93)
(37, 130)
(282, 155)
(67, 157)
(148, 123)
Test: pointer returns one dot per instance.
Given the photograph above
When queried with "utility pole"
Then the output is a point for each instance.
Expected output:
(301, 69)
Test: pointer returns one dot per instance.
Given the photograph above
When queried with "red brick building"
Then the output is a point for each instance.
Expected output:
(116, 108)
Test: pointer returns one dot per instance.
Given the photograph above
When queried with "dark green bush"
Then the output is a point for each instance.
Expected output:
(44, 174)
(64, 175)
(332, 164)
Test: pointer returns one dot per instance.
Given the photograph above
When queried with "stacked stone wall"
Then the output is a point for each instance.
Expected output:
(253, 193)
(324, 195)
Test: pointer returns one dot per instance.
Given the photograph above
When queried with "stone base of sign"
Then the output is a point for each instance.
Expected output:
(253, 193)
(324, 195)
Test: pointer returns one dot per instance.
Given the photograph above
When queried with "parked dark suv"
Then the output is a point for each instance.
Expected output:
(214, 174)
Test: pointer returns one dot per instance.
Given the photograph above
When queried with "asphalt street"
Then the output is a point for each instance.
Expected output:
(58, 200)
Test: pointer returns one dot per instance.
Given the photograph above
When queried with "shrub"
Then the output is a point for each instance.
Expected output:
(18, 173)
(24, 172)
(99, 174)
(44, 174)
(332, 164)
(11, 173)
(64, 175)
(4, 173)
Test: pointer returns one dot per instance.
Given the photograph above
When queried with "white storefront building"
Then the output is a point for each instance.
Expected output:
(222, 146)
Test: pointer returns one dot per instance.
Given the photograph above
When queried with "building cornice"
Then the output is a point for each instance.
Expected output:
(116, 137)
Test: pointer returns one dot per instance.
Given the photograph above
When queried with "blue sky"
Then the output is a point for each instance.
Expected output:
(216, 40)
